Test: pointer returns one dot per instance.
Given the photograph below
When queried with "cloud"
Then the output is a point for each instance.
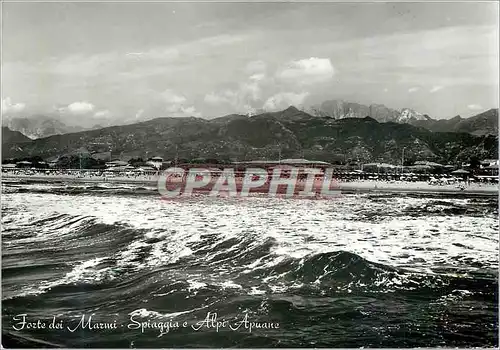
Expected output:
(257, 77)
(251, 90)
(191, 111)
(104, 114)
(123, 66)
(307, 71)
(139, 113)
(9, 107)
(413, 89)
(475, 107)
(176, 105)
(80, 107)
(80, 113)
(240, 99)
(170, 97)
(283, 100)
(159, 54)
(123, 77)
(244, 96)
(436, 88)
(215, 99)
(258, 66)
(279, 90)
(220, 40)
(249, 110)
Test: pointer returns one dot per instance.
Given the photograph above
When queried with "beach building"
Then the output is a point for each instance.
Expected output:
(116, 163)
(291, 162)
(489, 167)
(146, 170)
(419, 168)
(52, 161)
(464, 174)
(380, 167)
(23, 164)
(428, 163)
(9, 166)
(489, 162)
(155, 162)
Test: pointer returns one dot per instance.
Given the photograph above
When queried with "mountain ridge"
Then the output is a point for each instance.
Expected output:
(39, 126)
(485, 123)
(290, 133)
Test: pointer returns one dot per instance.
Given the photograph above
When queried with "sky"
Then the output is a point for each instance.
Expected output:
(120, 62)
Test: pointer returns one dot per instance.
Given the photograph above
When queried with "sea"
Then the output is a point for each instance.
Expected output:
(116, 266)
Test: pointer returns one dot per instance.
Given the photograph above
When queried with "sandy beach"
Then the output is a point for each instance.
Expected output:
(419, 186)
(349, 186)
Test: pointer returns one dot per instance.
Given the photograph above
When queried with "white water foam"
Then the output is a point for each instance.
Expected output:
(381, 230)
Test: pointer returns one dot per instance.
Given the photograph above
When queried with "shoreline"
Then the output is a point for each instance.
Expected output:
(357, 186)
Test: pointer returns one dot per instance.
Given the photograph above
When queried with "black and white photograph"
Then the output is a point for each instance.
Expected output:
(238, 174)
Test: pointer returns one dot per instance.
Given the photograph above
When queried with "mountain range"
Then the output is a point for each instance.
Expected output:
(39, 126)
(486, 123)
(290, 133)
